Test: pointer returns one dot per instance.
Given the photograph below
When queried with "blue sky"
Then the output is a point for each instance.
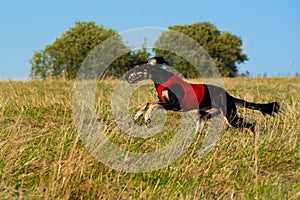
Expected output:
(269, 28)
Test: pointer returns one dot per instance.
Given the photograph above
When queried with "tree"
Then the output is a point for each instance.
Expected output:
(121, 65)
(65, 55)
(223, 47)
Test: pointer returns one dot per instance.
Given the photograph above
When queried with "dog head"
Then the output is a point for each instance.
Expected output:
(143, 70)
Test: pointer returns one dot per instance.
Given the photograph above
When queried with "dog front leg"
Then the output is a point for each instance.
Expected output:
(150, 111)
(154, 106)
(141, 111)
(151, 106)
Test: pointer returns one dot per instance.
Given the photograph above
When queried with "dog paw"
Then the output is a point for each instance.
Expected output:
(147, 121)
(147, 118)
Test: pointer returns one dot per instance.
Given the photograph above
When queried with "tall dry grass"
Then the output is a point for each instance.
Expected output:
(42, 157)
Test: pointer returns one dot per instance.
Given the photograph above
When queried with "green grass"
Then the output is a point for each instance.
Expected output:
(42, 156)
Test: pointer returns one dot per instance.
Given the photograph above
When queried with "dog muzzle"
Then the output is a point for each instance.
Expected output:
(134, 76)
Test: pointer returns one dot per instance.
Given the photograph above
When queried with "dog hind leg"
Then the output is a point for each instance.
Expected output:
(203, 115)
(235, 121)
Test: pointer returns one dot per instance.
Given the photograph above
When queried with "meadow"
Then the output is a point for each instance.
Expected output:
(43, 157)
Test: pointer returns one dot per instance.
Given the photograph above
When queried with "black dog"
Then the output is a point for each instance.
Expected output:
(178, 95)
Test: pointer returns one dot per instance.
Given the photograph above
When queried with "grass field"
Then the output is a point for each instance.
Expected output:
(42, 157)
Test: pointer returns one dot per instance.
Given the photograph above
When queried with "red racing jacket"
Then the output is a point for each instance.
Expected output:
(193, 93)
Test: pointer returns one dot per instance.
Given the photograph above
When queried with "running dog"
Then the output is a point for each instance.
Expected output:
(178, 95)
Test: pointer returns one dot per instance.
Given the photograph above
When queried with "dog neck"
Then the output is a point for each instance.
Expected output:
(159, 75)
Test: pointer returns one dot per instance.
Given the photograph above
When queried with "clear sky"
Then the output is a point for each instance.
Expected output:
(269, 28)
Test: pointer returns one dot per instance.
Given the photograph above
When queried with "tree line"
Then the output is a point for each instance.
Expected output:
(63, 58)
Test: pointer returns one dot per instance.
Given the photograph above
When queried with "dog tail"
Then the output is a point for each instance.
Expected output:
(264, 108)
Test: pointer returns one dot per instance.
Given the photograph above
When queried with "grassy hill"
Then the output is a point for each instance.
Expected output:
(42, 156)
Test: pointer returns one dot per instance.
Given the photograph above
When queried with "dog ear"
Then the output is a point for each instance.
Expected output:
(158, 60)
(161, 60)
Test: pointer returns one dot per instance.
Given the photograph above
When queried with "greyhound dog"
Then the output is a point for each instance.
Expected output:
(178, 95)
